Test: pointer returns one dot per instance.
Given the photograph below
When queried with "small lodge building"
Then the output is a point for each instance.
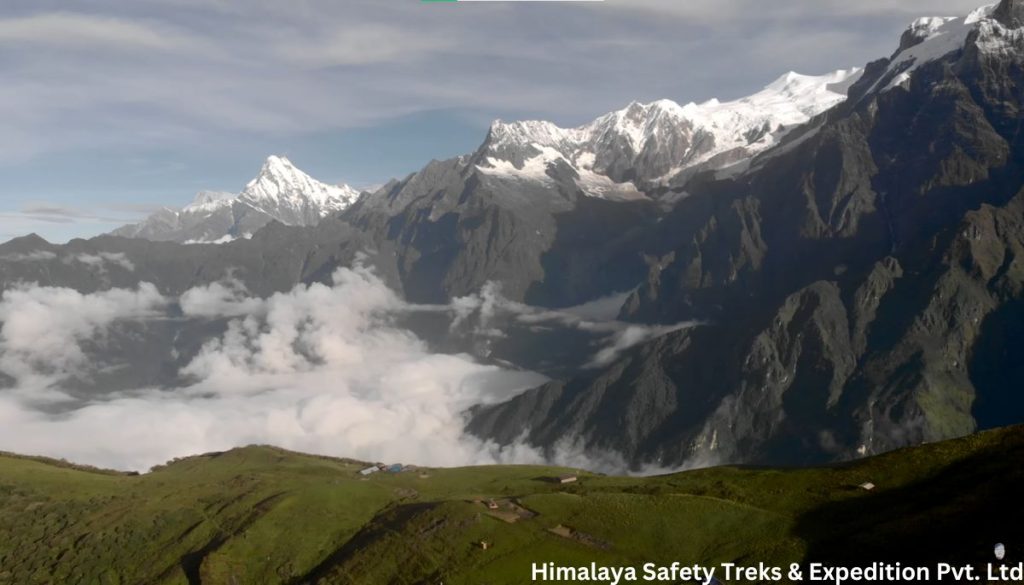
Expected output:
(369, 471)
(567, 479)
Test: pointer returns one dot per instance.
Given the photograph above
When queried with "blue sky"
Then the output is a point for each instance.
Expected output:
(115, 107)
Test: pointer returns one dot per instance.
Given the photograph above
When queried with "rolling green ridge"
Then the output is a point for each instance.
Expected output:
(264, 515)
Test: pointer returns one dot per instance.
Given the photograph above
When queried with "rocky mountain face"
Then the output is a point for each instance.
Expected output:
(456, 228)
(281, 192)
(544, 210)
(860, 285)
(536, 208)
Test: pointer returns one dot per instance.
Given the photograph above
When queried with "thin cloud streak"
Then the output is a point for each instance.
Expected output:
(69, 30)
(732, 10)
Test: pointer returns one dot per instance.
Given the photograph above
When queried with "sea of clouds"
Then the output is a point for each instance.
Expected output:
(322, 369)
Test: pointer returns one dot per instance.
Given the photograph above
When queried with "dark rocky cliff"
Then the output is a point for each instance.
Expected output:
(861, 284)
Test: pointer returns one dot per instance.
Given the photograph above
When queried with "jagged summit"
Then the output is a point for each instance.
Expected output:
(921, 29)
(276, 163)
(526, 131)
(294, 197)
(990, 29)
(658, 143)
(280, 192)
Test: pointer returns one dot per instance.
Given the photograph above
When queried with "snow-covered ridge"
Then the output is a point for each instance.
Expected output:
(931, 38)
(658, 141)
(209, 200)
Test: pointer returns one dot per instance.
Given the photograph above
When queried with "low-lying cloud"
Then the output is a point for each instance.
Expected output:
(42, 328)
(599, 317)
(322, 368)
(319, 369)
(101, 260)
(35, 256)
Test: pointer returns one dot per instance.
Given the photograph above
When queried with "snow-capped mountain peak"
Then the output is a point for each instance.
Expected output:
(281, 183)
(661, 142)
(637, 123)
(280, 192)
(280, 164)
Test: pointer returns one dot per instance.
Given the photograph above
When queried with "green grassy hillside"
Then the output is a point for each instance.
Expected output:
(263, 515)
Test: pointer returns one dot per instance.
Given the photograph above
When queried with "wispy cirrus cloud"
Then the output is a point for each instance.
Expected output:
(70, 30)
(55, 213)
(726, 10)
(366, 44)
(44, 218)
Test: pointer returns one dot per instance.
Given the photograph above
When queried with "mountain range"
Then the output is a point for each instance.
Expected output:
(860, 283)
(847, 248)
(630, 152)
(620, 155)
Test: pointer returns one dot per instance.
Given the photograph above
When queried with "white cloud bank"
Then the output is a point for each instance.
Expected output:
(100, 261)
(42, 328)
(320, 369)
(74, 30)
